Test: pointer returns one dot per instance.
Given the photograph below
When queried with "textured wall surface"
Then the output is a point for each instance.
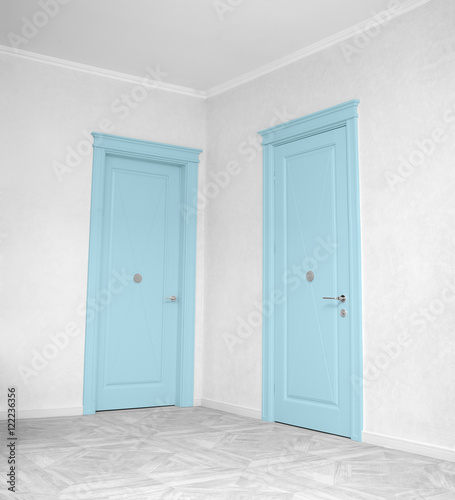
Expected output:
(404, 76)
(46, 213)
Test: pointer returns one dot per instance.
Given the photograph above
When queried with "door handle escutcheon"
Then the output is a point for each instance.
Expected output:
(341, 298)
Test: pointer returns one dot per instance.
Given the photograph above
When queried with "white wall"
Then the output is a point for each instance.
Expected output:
(404, 78)
(44, 110)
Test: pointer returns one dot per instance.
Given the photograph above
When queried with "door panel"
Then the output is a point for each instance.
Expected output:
(312, 346)
(138, 326)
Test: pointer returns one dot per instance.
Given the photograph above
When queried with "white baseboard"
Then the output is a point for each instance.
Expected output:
(230, 408)
(70, 412)
(45, 413)
(409, 446)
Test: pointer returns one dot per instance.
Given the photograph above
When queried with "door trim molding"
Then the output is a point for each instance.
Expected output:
(342, 115)
(187, 159)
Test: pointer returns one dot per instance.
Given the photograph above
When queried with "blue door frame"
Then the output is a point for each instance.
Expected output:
(342, 115)
(187, 159)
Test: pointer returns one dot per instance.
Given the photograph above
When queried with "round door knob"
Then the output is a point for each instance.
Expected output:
(137, 278)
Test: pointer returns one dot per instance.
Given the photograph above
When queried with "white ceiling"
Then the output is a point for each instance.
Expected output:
(197, 46)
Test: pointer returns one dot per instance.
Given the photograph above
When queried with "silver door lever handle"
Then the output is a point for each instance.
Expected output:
(172, 298)
(341, 298)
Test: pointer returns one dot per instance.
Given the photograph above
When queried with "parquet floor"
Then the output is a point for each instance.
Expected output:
(199, 453)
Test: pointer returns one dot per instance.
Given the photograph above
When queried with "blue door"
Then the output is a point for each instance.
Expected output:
(138, 325)
(312, 337)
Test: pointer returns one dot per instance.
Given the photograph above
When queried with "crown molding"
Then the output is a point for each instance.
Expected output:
(309, 50)
(104, 73)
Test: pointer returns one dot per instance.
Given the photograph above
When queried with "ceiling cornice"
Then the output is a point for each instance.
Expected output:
(309, 50)
(105, 73)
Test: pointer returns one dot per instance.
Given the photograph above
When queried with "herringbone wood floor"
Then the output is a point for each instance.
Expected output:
(198, 453)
